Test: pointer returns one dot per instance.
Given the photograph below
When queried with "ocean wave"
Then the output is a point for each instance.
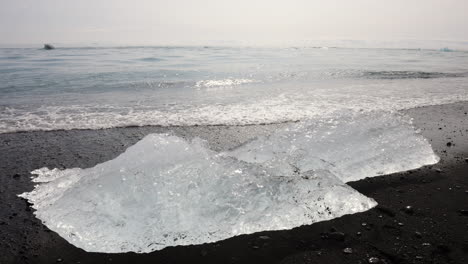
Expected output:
(158, 84)
(151, 59)
(280, 109)
(223, 82)
(338, 74)
(409, 75)
(210, 83)
(13, 57)
(109, 88)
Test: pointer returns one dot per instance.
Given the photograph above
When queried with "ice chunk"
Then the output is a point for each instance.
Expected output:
(165, 191)
(158, 191)
(351, 146)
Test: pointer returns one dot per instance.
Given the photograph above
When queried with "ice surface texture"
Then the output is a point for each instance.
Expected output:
(166, 191)
(353, 147)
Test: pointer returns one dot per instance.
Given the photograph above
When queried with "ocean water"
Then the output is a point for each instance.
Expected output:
(93, 88)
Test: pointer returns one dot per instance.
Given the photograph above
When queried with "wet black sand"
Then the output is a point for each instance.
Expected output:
(433, 230)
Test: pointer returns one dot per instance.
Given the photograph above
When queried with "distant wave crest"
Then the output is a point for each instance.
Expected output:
(409, 75)
(213, 83)
(223, 82)
(151, 59)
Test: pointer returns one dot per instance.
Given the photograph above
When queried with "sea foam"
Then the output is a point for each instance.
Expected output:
(285, 107)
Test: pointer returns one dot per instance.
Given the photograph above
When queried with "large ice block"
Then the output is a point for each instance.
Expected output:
(165, 191)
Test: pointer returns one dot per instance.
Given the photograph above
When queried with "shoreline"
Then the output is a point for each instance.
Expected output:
(433, 230)
(172, 127)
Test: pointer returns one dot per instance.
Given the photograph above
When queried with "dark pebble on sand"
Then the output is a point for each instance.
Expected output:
(338, 236)
(449, 144)
(16, 175)
(348, 251)
(386, 211)
(444, 249)
(463, 212)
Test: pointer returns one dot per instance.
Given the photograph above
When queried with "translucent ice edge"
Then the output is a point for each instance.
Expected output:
(158, 191)
(352, 146)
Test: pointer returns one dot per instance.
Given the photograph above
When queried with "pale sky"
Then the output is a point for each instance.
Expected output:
(187, 22)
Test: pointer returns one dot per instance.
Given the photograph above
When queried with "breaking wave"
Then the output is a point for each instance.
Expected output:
(280, 109)
(223, 82)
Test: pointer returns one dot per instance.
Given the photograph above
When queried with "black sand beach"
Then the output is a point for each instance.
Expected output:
(422, 216)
